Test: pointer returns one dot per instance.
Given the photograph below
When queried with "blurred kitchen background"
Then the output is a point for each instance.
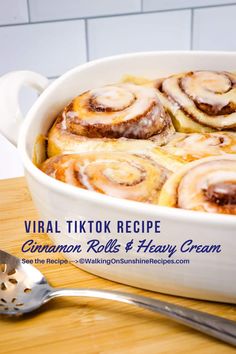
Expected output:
(52, 36)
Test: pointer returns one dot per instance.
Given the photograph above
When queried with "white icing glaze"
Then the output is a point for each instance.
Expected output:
(209, 87)
(197, 179)
(218, 176)
(63, 122)
(119, 96)
(115, 97)
(172, 89)
(199, 145)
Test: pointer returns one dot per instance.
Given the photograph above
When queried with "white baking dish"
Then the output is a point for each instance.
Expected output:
(208, 275)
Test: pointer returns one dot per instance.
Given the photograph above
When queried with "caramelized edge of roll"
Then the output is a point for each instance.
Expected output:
(75, 169)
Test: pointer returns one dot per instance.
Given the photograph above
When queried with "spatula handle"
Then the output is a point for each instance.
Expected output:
(215, 326)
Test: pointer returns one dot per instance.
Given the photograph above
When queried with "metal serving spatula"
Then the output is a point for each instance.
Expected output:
(24, 289)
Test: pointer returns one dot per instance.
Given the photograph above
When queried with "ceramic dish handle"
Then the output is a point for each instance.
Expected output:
(10, 113)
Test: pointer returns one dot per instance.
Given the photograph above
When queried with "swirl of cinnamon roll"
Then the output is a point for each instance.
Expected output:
(121, 175)
(107, 114)
(200, 101)
(206, 185)
(189, 147)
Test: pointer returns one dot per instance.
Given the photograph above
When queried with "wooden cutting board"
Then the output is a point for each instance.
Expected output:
(84, 326)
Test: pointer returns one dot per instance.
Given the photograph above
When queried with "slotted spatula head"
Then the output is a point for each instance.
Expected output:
(22, 287)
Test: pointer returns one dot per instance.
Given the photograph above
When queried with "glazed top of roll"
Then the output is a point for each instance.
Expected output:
(207, 97)
(208, 185)
(121, 175)
(190, 147)
(114, 111)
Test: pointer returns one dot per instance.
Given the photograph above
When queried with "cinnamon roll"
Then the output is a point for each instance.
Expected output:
(189, 147)
(200, 101)
(109, 118)
(121, 175)
(206, 185)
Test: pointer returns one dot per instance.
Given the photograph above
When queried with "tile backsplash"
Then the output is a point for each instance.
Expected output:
(50, 48)
(155, 5)
(152, 31)
(217, 33)
(52, 36)
(13, 11)
(46, 10)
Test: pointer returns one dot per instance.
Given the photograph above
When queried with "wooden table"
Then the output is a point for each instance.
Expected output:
(86, 326)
